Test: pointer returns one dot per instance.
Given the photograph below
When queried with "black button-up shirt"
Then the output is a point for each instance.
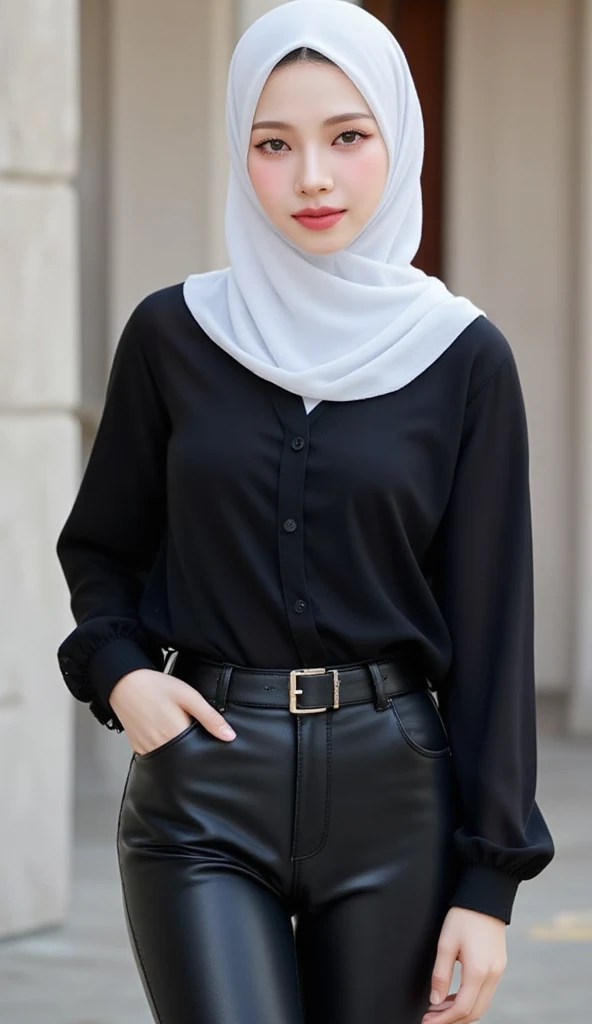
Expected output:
(215, 515)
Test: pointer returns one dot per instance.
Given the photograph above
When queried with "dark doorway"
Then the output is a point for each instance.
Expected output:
(420, 27)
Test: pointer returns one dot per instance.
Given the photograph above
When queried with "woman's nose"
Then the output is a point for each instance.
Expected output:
(314, 175)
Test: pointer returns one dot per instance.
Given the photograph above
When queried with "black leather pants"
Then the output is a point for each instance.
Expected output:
(301, 872)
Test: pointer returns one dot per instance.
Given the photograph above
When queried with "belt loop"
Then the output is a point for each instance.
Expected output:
(222, 684)
(381, 699)
(169, 660)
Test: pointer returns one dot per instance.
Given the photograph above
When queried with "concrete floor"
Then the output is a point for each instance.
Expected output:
(83, 972)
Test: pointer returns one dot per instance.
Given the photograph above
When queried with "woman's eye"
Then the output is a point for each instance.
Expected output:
(352, 132)
(270, 142)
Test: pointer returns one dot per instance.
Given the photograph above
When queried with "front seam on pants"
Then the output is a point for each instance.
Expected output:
(307, 768)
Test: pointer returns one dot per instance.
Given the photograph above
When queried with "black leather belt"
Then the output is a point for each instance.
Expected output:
(302, 691)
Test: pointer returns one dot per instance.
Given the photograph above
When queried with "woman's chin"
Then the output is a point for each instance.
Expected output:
(317, 242)
(322, 242)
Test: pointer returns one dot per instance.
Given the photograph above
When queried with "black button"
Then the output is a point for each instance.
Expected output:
(290, 525)
(298, 443)
(299, 605)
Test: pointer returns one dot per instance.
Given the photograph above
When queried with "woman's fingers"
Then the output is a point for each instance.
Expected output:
(466, 997)
(485, 996)
(200, 708)
(471, 1000)
(443, 969)
(435, 1012)
(478, 940)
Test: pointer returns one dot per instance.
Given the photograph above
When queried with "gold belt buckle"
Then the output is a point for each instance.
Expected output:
(312, 672)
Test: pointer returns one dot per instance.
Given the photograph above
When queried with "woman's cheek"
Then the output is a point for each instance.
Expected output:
(266, 182)
(367, 173)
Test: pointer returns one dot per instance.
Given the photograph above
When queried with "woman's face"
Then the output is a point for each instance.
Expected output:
(315, 143)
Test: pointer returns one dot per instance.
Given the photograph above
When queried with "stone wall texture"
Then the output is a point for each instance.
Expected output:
(39, 449)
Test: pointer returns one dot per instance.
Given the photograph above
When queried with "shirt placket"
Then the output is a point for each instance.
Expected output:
(291, 531)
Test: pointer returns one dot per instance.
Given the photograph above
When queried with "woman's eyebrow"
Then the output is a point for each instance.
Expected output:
(336, 119)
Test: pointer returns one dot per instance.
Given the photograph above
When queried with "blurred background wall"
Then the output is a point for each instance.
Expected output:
(112, 184)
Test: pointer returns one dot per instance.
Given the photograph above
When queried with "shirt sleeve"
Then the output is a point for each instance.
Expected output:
(484, 584)
(110, 538)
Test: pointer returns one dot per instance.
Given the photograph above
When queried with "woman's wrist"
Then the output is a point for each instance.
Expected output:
(114, 660)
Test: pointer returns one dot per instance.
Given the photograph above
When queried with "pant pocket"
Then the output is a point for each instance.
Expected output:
(168, 744)
(420, 724)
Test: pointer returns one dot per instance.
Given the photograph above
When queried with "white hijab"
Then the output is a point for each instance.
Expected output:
(354, 323)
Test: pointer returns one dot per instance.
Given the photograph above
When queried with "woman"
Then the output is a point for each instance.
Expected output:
(310, 485)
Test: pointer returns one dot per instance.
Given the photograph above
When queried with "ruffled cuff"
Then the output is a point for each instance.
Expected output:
(486, 890)
(95, 656)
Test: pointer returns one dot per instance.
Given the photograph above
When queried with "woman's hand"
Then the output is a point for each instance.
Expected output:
(479, 942)
(154, 707)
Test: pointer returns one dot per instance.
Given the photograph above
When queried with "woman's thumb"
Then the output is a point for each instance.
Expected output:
(200, 708)
(212, 719)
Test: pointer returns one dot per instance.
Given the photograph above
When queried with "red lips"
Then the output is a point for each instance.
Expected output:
(318, 211)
